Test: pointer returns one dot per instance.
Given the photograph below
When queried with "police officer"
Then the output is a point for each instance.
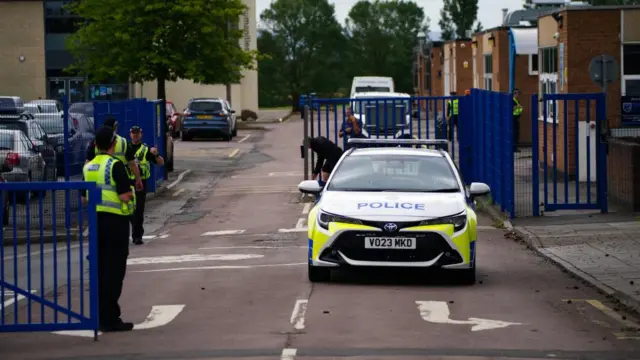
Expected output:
(114, 210)
(452, 115)
(122, 152)
(352, 127)
(517, 111)
(328, 155)
(144, 157)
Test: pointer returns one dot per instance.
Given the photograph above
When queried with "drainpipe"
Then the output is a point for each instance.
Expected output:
(512, 61)
(505, 11)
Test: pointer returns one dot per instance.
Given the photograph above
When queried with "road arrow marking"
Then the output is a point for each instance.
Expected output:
(437, 312)
(160, 315)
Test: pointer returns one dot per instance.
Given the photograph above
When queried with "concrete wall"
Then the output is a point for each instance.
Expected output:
(22, 34)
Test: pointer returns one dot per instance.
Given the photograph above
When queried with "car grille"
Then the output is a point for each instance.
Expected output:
(428, 246)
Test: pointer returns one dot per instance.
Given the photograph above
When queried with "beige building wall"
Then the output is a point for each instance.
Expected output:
(243, 95)
(22, 70)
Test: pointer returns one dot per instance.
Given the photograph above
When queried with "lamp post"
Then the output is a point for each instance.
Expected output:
(422, 37)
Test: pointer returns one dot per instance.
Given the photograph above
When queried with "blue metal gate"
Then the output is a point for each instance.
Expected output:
(569, 154)
(46, 283)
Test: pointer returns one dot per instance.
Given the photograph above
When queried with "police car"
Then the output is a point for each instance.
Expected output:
(393, 207)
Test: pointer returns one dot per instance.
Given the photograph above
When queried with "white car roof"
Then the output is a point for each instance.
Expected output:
(381, 94)
(396, 151)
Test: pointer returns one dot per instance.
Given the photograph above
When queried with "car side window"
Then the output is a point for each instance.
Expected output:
(36, 131)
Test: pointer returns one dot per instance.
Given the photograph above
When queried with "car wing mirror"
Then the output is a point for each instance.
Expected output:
(479, 189)
(310, 187)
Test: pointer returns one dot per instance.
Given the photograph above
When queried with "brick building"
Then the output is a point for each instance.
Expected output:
(428, 62)
(568, 40)
(505, 58)
(457, 70)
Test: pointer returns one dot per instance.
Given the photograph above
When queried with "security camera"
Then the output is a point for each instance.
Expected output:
(556, 36)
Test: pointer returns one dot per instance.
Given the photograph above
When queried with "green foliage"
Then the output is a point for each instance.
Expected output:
(458, 17)
(382, 36)
(161, 40)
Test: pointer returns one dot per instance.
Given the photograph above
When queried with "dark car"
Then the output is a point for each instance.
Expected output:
(81, 133)
(42, 143)
(6, 167)
(208, 117)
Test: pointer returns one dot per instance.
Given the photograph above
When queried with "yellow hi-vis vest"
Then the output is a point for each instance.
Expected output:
(119, 152)
(517, 109)
(453, 105)
(99, 170)
(143, 164)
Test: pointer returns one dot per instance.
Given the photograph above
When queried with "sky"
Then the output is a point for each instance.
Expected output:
(489, 11)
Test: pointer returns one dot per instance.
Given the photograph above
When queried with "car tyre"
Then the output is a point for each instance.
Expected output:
(235, 132)
(467, 276)
(319, 274)
(170, 161)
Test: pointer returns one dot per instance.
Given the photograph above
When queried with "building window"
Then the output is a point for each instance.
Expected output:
(61, 25)
(488, 72)
(56, 8)
(533, 64)
(631, 70)
(548, 76)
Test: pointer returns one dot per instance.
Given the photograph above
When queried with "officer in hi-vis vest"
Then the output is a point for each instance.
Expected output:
(144, 157)
(122, 152)
(452, 115)
(517, 111)
(114, 211)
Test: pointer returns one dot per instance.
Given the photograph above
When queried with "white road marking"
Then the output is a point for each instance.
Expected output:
(191, 258)
(234, 153)
(302, 229)
(178, 192)
(244, 139)
(251, 247)
(297, 316)
(306, 208)
(220, 267)
(223, 232)
(179, 179)
(36, 253)
(148, 237)
(160, 315)
(437, 312)
(288, 354)
(13, 298)
(300, 223)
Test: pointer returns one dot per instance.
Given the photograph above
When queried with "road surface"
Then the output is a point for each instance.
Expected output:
(229, 282)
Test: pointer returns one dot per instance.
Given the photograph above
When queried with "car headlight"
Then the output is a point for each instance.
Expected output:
(325, 218)
(458, 221)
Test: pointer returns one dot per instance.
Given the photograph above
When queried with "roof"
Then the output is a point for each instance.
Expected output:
(592, 8)
(525, 40)
(396, 151)
(380, 94)
(206, 99)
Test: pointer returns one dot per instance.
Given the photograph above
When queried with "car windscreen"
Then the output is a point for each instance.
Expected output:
(381, 110)
(48, 108)
(401, 173)
(205, 106)
(52, 126)
(372, 89)
(82, 108)
(13, 125)
(7, 142)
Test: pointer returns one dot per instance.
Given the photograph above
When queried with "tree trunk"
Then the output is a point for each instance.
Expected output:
(296, 102)
(162, 90)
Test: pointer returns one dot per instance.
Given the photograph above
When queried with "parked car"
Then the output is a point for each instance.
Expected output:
(27, 163)
(85, 108)
(32, 108)
(169, 160)
(42, 143)
(81, 133)
(174, 119)
(11, 106)
(47, 106)
(208, 116)
(6, 167)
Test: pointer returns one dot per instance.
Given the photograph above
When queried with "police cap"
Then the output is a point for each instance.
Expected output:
(110, 121)
(104, 137)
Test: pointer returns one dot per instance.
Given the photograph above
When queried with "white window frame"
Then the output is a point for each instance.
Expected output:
(488, 78)
(545, 80)
(475, 68)
(623, 83)
(531, 71)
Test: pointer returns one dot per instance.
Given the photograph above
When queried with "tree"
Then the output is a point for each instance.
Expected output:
(271, 75)
(382, 37)
(311, 40)
(163, 40)
(457, 17)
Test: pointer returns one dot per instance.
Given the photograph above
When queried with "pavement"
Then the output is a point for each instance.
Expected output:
(224, 277)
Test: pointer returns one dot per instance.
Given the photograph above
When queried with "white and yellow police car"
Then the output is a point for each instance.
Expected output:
(393, 207)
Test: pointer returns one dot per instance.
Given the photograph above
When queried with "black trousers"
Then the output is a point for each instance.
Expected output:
(113, 250)
(137, 219)
(516, 131)
(452, 123)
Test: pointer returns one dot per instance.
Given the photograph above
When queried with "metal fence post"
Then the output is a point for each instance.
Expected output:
(535, 161)
(305, 143)
(601, 152)
(67, 150)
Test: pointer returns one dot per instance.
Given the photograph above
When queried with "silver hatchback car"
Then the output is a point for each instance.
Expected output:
(19, 152)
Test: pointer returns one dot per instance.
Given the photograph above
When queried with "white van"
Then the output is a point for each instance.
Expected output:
(362, 84)
(383, 114)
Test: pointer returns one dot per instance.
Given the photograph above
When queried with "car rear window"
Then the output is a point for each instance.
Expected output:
(13, 126)
(205, 106)
(394, 173)
(6, 141)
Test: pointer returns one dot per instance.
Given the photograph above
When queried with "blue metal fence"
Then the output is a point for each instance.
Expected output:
(569, 154)
(46, 283)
